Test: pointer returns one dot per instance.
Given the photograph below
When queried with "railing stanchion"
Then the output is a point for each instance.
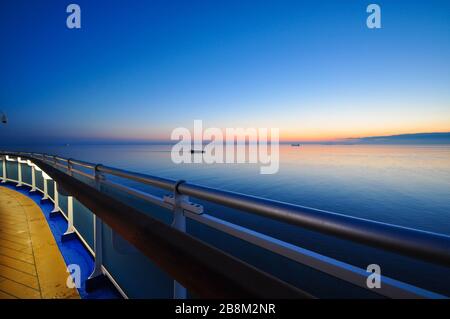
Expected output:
(70, 232)
(45, 188)
(33, 179)
(97, 276)
(4, 169)
(19, 173)
(56, 208)
(179, 223)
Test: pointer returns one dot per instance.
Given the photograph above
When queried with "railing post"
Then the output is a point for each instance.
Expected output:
(70, 232)
(19, 173)
(56, 208)
(33, 179)
(4, 169)
(45, 197)
(179, 223)
(98, 245)
(97, 276)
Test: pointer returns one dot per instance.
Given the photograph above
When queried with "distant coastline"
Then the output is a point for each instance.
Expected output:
(441, 138)
(416, 138)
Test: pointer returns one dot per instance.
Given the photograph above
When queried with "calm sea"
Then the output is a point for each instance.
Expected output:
(403, 185)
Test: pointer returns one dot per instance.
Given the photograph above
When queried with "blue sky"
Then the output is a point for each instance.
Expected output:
(138, 69)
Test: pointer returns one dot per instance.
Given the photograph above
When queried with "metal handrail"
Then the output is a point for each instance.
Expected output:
(82, 163)
(424, 245)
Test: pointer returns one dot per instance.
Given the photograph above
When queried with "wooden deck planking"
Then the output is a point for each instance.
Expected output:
(31, 265)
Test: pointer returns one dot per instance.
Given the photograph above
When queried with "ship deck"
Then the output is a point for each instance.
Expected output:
(31, 265)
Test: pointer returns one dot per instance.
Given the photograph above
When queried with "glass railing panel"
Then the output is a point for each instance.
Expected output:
(11, 170)
(133, 271)
(83, 220)
(26, 174)
(84, 179)
(39, 180)
(160, 213)
(51, 189)
(63, 204)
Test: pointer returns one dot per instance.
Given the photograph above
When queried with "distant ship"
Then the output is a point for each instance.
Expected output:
(295, 144)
